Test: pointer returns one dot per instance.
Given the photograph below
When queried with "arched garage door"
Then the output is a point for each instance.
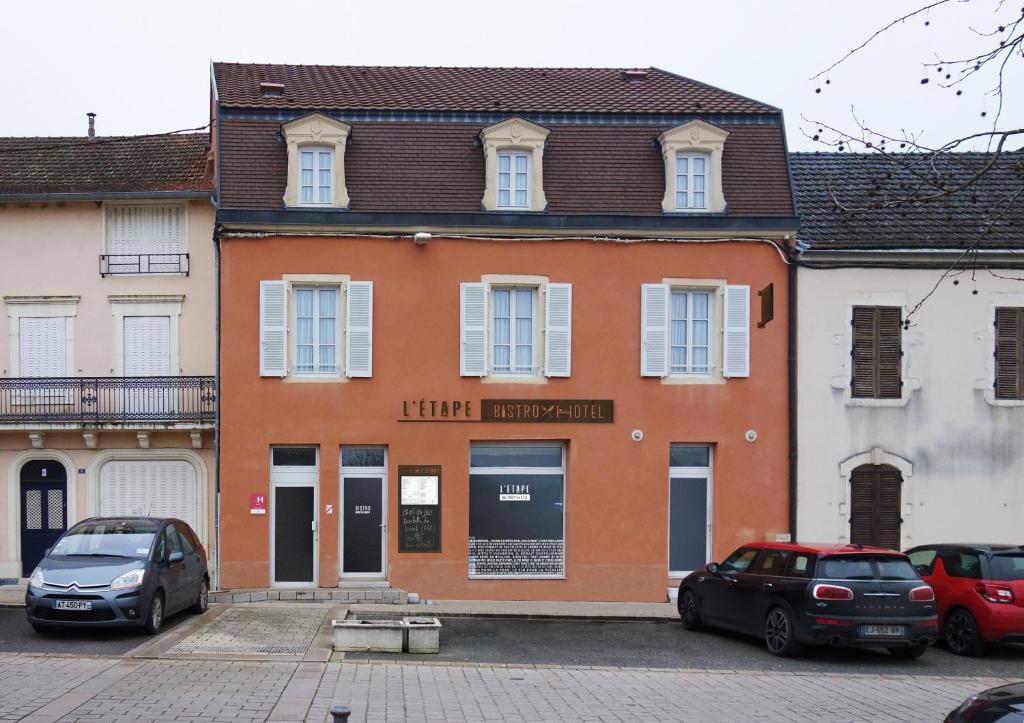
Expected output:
(156, 488)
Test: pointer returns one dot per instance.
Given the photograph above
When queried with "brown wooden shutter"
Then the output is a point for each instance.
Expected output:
(875, 494)
(1009, 377)
(877, 354)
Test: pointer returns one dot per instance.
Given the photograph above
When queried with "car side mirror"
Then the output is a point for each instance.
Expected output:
(712, 567)
(921, 569)
(175, 557)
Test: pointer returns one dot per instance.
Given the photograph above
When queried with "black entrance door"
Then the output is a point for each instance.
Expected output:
(294, 534)
(362, 525)
(44, 509)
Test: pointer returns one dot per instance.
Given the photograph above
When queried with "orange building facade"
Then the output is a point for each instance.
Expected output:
(492, 401)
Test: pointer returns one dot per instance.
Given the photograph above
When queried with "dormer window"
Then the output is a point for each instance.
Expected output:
(691, 181)
(513, 180)
(514, 166)
(693, 168)
(316, 162)
(317, 176)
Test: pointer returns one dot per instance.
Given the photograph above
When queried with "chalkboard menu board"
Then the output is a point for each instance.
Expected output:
(419, 508)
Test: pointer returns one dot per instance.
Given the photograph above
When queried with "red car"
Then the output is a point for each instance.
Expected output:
(980, 591)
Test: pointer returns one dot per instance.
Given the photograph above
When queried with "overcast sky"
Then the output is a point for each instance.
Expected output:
(143, 69)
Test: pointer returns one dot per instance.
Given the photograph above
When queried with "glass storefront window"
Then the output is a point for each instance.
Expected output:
(516, 505)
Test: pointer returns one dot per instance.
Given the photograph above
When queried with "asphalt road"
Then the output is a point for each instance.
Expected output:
(16, 636)
(667, 645)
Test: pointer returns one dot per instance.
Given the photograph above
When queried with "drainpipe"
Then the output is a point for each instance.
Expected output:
(791, 322)
(216, 383)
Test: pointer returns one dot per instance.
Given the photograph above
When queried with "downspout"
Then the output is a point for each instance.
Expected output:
(791, 322)
(217, 386)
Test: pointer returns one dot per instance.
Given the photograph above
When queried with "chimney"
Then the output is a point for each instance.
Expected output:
(634, 75)
(92, 124)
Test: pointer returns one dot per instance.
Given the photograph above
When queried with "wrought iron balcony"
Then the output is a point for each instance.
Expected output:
(108, 400)
(120, 264)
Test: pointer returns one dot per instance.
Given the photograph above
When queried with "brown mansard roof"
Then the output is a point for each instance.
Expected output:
(105, 164)
(511, 90)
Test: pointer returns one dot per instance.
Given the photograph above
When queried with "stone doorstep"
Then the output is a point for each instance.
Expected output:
(350, 595)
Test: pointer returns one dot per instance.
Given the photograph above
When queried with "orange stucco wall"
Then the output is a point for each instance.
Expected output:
(616, 490)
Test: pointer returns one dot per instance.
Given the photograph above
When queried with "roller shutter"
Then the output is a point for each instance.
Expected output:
(156, 488)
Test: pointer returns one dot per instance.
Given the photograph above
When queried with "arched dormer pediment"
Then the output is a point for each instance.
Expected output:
(695, 139)
(518, 139)
(316, 134)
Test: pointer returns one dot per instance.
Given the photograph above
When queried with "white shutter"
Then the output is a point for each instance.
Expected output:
(359, 329)
(473, 330)
(654, 299)
(558, 330)
(154, 488)
(42, 346)
(273, 329)
(736, 332)
(146, 229)
(147, 346)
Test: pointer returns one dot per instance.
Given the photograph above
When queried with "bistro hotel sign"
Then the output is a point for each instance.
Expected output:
(534, 411)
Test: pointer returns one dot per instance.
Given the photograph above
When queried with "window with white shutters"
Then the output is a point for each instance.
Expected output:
(42, 350)
(503, 328)
(147, 346)
(133, 229)
(155, 488)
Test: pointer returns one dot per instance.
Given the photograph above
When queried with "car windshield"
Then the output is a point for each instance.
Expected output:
(1008, 567)
(109, 538)
(866, 567)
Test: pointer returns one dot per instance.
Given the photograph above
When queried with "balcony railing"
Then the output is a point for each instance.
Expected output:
(108, 400)
(119, 264)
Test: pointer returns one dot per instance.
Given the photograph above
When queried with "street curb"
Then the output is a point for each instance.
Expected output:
(354, 610)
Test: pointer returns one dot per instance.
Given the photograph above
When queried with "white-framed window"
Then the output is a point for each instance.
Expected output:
(513, 324)
(513, 179)
(516, 328)
(690, 350)
(517, 510)
(691, 181)
(316, 329)
(316, 176)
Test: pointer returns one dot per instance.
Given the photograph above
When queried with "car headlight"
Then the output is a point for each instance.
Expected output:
(37, 578)
(132, 578)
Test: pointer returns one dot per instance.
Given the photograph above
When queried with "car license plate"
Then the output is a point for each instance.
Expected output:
(883, 630)
(73, 604)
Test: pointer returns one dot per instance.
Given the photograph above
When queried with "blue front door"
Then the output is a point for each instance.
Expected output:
(44, 509)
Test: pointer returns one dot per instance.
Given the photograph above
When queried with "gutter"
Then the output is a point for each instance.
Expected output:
(104, 196)
(908, 258)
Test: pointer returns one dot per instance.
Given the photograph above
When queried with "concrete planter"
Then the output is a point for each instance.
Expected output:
(423, 635)
(380, 636)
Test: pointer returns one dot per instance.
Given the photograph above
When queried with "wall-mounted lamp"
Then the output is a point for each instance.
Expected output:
(421, 238)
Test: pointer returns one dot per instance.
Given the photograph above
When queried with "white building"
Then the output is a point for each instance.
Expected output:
(905, 437)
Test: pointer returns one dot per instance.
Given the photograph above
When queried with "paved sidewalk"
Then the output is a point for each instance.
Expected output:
(46, 689)
(529, 609)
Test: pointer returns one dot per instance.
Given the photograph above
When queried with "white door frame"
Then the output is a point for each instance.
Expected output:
(365, 473)
(707, 473)
(295, 477)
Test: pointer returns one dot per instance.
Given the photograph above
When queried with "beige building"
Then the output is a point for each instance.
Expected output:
(911, 422)
(107, 336)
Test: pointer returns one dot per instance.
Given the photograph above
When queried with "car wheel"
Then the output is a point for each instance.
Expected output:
(203, 601)
(689, 613)
(155, 619)
(908, 653)
(39, 628)
(779, 633)
(962, 634)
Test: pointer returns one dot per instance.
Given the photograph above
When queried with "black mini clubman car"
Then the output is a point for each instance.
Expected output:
(793, 595)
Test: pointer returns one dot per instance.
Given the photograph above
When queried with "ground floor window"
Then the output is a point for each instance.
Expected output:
(154, 488)
(516, 510)
(689, 512)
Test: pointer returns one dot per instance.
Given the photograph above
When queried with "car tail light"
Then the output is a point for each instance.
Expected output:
(994, 593)
(831, 621)
(832, 592)
(922, 594)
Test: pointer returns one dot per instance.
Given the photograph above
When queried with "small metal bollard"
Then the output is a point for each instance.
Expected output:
(340, 713)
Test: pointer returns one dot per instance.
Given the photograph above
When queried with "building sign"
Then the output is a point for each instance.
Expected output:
(553, 411)
(419, 508)
(257, 503)
(436, 409)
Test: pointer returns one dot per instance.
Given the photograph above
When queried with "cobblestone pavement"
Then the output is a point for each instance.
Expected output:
(47, 689)
(257, 630)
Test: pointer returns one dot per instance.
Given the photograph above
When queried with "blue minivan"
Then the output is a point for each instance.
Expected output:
(119, 571)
